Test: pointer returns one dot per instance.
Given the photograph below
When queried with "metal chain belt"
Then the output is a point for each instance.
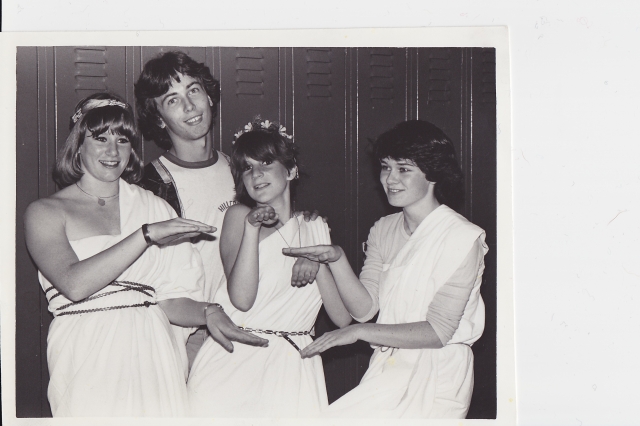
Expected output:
(284, 334)
(126, 286)
(109, 308)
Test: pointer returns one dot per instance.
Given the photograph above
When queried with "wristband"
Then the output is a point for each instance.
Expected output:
(145, 234)
(212, 304)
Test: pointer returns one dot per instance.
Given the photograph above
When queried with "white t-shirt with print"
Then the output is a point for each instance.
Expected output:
(206, 190)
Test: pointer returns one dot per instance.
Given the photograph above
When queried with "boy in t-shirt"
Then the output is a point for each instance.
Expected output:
(176, 100)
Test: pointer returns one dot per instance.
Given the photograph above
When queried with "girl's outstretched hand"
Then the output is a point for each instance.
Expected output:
(320, 253)
(262, 215)
(223, 331)
(340, 337)
(177, 228)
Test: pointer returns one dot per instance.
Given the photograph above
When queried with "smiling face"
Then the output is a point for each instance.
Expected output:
(105, 156)
(265, 181)
(404, 183)
(185, 110)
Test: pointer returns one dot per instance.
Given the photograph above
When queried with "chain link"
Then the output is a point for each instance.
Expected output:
(284, 334)
(277, 333)
(146, 304)
(126, 286)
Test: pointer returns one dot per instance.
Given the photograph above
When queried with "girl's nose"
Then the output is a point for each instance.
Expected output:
(112, 148)
(188, 104)
(256, 172)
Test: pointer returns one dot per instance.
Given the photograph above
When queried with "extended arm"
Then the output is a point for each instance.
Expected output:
(355, 296)
(186, 312)
(331, 298)
(443, 317)
(47, 242)
(416, 335)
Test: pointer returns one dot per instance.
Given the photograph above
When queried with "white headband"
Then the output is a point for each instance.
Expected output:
(96, 103)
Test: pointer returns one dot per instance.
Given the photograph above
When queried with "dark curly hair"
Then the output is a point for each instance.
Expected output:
(98, 120)
(261, 144)
(156, 79)
(431, 150)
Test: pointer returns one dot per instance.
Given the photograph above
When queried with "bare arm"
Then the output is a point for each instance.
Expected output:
(239, 252)
(47, 242)
(186, 312)
(355, 296)
(442, 320)
(415, 335)
(331, 298)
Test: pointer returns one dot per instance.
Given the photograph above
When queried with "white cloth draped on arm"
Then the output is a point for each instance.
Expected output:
(421, 383)
(124, 361)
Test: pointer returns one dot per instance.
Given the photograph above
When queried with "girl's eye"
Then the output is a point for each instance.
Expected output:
(267, 162)
(100, 138)
(123, 140)
(195, 90)
(172, 101)
(402, 169)
(385, 167)
(246, 168)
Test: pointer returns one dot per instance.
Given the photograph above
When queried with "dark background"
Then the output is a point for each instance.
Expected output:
(334, 100)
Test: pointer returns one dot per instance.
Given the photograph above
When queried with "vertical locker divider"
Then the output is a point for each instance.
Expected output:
(48, 146)
(483, 208)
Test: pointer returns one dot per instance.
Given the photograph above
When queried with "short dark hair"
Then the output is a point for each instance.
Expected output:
(262, 143)
(98, 120)
(431, 150)
(155, 80)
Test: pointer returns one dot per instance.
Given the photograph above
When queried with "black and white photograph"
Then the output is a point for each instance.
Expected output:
(232, 231)
(209, 212)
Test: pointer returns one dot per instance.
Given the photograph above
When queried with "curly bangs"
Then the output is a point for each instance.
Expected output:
(259, 145)
(156, 79)
(431, 150)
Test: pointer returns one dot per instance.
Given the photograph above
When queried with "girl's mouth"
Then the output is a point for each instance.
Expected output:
(195, 120)
(109, 164)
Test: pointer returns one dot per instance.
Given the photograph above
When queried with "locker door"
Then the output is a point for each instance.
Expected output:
(321, 113)
(383, 101)
(441, 93)
(321, 135)
(81, 71)
(34, 157)
(483, 210)
(250, 86)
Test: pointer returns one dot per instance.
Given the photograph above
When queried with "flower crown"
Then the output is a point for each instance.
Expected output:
(262, 125)
(93, 104)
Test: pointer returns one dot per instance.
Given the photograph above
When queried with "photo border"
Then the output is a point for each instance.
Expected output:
(496, 37)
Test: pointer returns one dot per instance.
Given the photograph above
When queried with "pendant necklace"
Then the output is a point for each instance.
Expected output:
(101, 200)
(282, 236)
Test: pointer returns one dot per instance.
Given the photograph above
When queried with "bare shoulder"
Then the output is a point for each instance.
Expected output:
(233, 224)
(46, 210)
(231, 235)
(45, 222)
(237, 211)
